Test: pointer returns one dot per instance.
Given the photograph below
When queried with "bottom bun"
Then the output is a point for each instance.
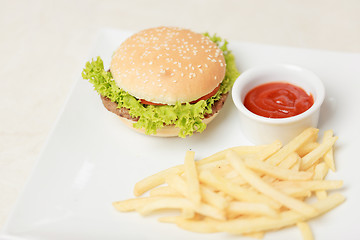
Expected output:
(166, 131)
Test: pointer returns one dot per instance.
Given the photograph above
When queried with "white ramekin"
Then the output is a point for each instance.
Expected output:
(262, 130)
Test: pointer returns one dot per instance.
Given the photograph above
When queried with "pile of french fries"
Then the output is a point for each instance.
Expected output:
(245, 190)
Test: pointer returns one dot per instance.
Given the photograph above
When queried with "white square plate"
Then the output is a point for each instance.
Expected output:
(91, 159)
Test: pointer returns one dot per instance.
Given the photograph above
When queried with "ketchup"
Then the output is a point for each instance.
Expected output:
(278, 100)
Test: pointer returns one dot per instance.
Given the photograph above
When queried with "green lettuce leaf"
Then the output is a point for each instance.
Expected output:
(187, 117)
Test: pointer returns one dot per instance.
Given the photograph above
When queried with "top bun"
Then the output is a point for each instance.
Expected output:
(168, 64)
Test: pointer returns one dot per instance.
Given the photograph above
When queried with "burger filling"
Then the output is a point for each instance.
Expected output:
(186, 116)
(124, 112)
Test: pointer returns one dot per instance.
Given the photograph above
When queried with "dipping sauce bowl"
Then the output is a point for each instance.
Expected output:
(264, 130)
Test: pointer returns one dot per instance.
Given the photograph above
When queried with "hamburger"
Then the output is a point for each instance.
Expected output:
(165, 81)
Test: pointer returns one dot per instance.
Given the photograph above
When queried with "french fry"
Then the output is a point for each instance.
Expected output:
(222, 154)
(310, 169)
(276, 172)
(313, 185)
(155, 180)
(180, 203)
(305, 230)
(168, 219)
(268, 151)
(321, 171)
(197, 226)
(133, 203)
(192, 181)
(212, 198)
(292, 146)
(234, 177)
(209, 196)
(164, 191)
(246, 190)
(297, 165)
(187, 213)
(313, 157)
(164, 203)
(252, 209)
(256, 182)
(178, 184)
(329, 155)
(287, 218)
(235, 191)
(222, 165)
(258, 235)
(308, 147)
(290, 160)
(268, 179)
(263, 150)
(295, 192)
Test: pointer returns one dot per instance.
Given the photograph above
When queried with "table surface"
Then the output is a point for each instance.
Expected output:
(44, 45)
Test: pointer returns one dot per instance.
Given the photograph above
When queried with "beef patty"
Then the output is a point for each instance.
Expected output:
(124, 112)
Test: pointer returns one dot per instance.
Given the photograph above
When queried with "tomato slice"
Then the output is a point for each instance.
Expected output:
(207, 96)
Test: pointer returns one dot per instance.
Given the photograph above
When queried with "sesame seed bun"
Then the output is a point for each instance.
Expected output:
(167, 64)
